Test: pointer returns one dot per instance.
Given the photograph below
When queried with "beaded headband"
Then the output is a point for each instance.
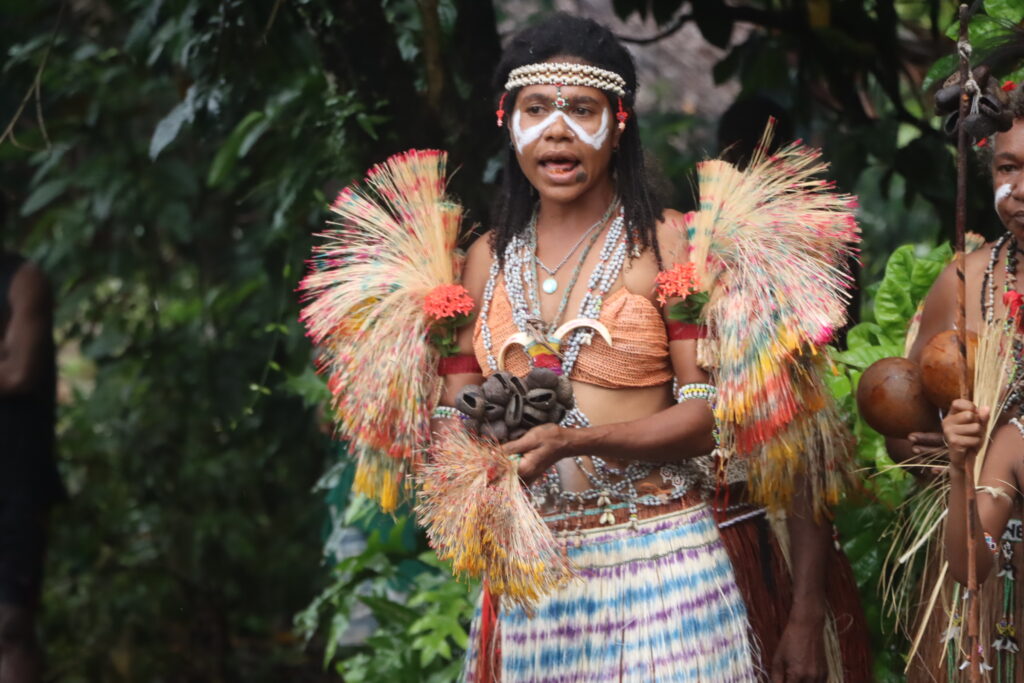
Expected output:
(565, 73)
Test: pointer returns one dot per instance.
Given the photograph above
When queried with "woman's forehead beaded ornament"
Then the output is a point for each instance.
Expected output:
(565, 73)
(560, 102)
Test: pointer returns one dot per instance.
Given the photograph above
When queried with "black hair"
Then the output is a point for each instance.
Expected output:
(563, 35)
(1016, 107)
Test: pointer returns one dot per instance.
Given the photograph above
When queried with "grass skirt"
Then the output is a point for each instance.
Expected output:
(655, 603)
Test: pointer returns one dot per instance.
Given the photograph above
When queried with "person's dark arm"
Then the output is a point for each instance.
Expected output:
(24, 343)
(936, 317)
(800, 656)
(474, 279)
(964, 429)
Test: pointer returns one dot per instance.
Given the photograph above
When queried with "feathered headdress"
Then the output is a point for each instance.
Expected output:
(769, 250)
(379, 284)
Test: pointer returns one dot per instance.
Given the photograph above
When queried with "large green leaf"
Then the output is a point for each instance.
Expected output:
(893, 303)
(867, 334)
(927, 269)
(862, 357)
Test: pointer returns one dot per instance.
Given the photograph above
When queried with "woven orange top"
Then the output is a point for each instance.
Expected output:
(638, 356)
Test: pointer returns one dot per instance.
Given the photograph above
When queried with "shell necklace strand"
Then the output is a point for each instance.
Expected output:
(988, 297)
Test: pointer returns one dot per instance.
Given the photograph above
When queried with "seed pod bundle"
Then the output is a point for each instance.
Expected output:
(505, 406)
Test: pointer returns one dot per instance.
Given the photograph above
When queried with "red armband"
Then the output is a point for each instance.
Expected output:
(678, 331)
(462, 363)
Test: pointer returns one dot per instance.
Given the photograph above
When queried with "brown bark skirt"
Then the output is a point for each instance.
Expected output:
(763, 578)
(933, 661)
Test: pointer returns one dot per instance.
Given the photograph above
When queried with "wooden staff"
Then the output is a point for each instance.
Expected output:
(973, 613)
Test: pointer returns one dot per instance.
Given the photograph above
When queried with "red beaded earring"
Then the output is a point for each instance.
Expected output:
(500, 112)
(622, 116)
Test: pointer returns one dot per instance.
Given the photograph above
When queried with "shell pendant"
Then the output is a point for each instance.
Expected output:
(550, 285)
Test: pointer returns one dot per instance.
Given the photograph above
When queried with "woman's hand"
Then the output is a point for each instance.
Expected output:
(800, 656)
(541, 447)
(925, 443)
(964, 428)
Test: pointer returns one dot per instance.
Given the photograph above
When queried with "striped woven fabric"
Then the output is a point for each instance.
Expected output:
(656, 603)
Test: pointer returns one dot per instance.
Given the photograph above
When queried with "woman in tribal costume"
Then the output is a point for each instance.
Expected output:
(580, 235)
(993, 292)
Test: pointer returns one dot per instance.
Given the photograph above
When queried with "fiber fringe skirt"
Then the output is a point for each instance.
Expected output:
(655, 603)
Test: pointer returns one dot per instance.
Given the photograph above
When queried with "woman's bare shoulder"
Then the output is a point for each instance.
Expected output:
(977, 258)
(975, 264)
(478, 265)
(671, 230)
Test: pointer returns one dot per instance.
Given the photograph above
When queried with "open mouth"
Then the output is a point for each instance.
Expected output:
(558, 164)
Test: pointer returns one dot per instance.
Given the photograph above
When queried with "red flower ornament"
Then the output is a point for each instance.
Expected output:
(447, 301)
(1013, 302)
(679, 280)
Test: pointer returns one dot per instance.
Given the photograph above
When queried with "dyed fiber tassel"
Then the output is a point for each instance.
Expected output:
(478, 515)
(771, 245)
(657, 603)
(489, 664)
(365, 309)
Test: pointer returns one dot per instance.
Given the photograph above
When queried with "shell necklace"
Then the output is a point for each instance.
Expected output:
(988, 297)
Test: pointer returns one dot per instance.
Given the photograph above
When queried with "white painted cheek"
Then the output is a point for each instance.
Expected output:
(1002, 192)
(523, 138)
(597, 139)
(602, 133)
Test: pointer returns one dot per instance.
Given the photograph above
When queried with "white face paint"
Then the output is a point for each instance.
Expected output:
(531, 134)
(1002, 192)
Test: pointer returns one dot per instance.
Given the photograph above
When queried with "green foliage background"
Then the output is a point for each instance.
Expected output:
(864, 519)
(167, 162)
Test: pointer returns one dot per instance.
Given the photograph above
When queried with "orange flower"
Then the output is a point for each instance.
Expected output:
(447, 301)
(680, 280)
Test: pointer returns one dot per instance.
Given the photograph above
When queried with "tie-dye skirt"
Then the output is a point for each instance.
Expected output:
(655, 603)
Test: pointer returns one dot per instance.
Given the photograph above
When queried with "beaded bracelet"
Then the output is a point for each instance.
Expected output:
(704, 391)
(446, 413)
